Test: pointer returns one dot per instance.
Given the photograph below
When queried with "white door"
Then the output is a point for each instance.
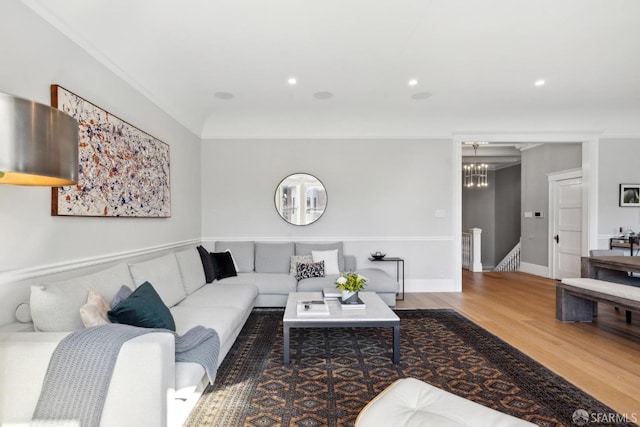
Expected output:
(566, 227)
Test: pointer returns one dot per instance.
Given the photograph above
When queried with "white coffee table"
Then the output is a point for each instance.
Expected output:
(377, 314)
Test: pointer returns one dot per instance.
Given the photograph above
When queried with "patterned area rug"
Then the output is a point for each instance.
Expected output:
(335, 372)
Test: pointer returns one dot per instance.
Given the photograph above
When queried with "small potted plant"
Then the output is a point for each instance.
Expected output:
(350, 284)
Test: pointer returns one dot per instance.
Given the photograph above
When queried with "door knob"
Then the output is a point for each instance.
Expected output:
(557, 238)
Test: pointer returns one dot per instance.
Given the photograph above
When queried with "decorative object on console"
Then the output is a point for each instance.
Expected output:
(629, 195)
(378, 255)
(300, 199)
(350, 284)
(39, 144)
(123, 171)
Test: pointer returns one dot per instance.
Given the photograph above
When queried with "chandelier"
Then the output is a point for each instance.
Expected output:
(475, 175)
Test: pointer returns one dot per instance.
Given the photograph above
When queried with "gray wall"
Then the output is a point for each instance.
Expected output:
(496, 210)
(479, 211)
(536, 164)
(395, 196)
(508, 198)
(34, 56)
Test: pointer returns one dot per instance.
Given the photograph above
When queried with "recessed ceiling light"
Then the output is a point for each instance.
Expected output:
(224, 95)
(292, 81)
(413, 82)
(421, 96)
(323, 95)
(540, 82)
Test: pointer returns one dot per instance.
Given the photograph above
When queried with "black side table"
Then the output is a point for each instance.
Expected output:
(398, 261)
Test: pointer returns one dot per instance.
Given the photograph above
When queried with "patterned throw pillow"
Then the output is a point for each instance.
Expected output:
(295, 259)
(308, 270)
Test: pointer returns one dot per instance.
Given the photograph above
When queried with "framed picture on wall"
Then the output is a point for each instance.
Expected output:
(123, 171)
(630, 195)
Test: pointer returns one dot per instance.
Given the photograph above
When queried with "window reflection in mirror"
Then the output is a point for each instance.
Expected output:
(300, 199)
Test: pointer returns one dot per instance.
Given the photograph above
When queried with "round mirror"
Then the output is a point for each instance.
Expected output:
(300, 199)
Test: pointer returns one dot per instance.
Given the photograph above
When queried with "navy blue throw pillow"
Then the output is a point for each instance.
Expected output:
(143, 308)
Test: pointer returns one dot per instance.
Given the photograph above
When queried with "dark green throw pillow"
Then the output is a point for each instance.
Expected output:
(143, 308)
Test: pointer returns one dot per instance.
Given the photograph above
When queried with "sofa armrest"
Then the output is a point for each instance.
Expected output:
(141, 389)
(349, 263)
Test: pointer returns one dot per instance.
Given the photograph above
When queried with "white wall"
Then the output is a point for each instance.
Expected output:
(382, 195)
(34, 56)
(617, 165)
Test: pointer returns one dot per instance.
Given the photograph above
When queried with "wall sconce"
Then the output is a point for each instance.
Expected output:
(38, 144)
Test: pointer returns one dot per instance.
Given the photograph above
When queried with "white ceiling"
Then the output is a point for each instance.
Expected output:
(475, 61)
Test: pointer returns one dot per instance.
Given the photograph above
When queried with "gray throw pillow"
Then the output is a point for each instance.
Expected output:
(123, 293)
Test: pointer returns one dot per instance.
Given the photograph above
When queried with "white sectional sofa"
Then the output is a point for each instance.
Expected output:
(148, 387)
(148, 382)
(268, 266)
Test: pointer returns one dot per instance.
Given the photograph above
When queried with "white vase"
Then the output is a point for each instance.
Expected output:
(349, 297)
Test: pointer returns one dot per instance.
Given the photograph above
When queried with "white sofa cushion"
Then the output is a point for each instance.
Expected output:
(191, 269)
(164, 275)
(55, 306)
(222, 295)
(222, 319)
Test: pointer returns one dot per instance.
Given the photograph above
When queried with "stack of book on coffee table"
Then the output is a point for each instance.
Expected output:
(358, 305)
(312, 308)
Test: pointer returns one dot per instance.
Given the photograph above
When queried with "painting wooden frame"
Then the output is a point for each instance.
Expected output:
(629, 195)
(123, 171)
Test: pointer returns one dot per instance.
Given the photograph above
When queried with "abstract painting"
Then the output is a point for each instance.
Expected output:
(123, 171)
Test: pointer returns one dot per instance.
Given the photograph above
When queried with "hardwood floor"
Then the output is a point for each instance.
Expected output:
(602, 357)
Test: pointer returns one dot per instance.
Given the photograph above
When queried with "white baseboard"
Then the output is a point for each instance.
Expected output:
(538, 270)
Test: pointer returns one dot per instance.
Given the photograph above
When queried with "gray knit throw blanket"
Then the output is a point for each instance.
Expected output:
(79, 373)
